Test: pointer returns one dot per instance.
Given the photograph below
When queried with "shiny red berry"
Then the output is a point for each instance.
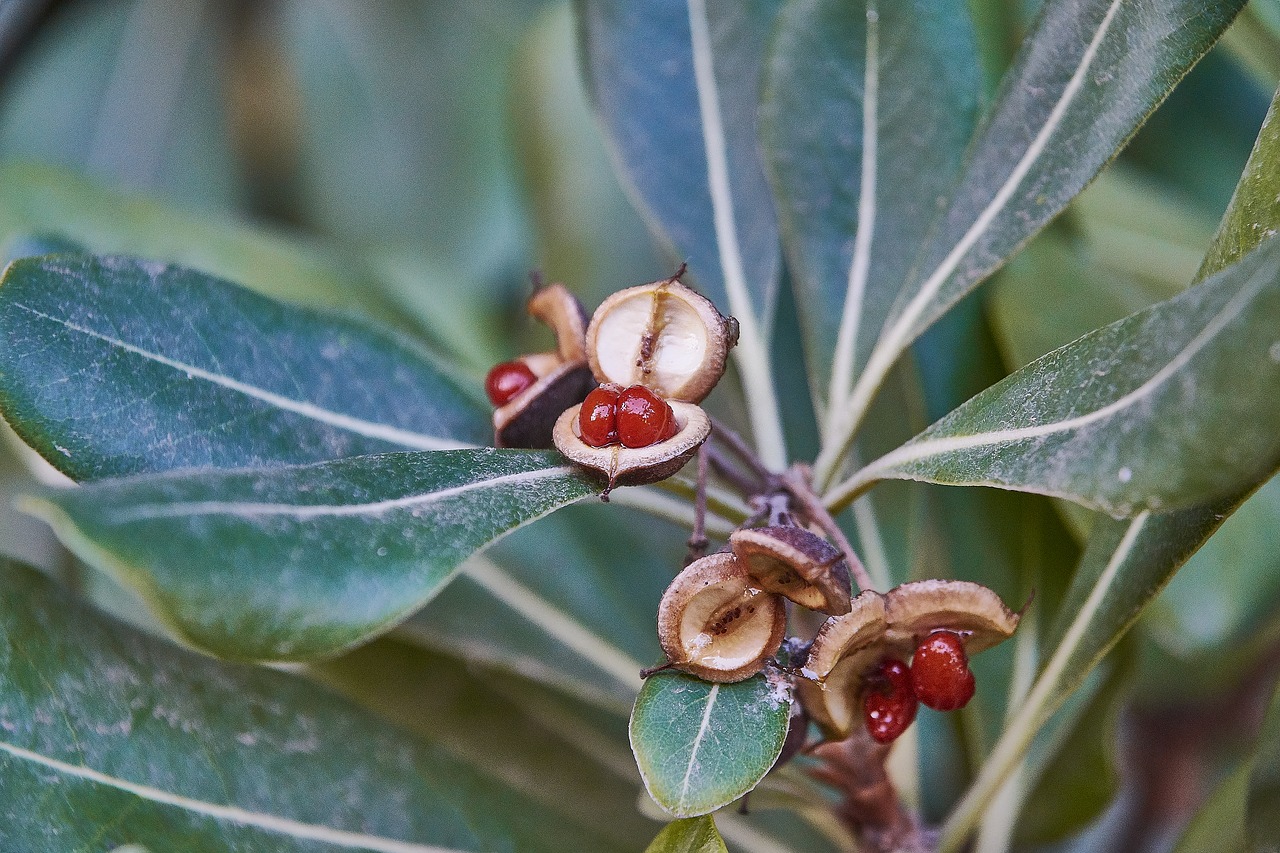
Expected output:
(507, 380)
(644, 418)
(940, 672)
(598, 417)
(888, 704)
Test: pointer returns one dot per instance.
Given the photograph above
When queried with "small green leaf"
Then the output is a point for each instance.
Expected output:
(112, 738)
(300, 562)
(866, 113)
(701, 746)
(116, 366)
(691, 835)
(1092, 422)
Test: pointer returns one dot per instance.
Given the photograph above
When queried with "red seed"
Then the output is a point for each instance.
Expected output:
(889, 704)
(644, 418)
(598, 417)
(940, 673)
(505, 381)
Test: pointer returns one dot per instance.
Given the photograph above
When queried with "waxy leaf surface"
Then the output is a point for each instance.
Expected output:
(115, 366)
(690, 835)
(303, 561)
(866, 113)
(699, 745)
(110, 738)
(1172, 406)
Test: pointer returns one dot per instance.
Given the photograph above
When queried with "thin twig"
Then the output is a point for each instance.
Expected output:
(698, 537)
(798, 485)
(741, 449)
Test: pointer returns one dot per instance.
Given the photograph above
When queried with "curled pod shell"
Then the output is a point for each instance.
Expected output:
(796, 563)
(846, 649)
(971, 610)
(714, 624)
(661, 335)
(635, 466)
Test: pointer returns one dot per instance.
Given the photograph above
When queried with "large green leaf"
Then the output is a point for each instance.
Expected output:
(699, 745)
(676, 85)
(691, 835)
(865, 117)
(116, 366)
(1172, 406)
(1087, 76)
(303, 561)
(108, 737)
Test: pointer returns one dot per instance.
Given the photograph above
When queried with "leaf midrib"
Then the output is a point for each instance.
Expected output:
(369, 429)
(233, 814)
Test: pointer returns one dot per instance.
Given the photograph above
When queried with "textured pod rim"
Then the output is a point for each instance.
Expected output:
(706, 587)
(845, 649)
(529, 418)
(970, 609)
(626, 345)
(796, 563)
(554, 306)
(635, 466)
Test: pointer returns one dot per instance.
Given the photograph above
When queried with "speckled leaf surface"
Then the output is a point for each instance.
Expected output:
(1172, 406)
(690, 835)
(115, 366)
(110, 738)
(866, 113)
(699, 745)
(1087, 76)
(303, 561)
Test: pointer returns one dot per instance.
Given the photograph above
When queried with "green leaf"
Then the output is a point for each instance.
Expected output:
(676, 86)
(1091, 421)
(56, 203)
(699, 745)
(1262, 807)
(570, 758)
(116, 366)
(691, 835)
(866, 113)
(1219, 825)
(1087, 76)
(1254, 212)
(301, 562)
(109, 737)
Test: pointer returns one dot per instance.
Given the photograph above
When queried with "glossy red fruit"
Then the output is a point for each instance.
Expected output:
(598, 417)
(940, 673)
(644, 418)
(507, 380)
(889, 703)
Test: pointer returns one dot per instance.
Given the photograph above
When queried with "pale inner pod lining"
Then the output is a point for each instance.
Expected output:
(743, 640)
(676, 333)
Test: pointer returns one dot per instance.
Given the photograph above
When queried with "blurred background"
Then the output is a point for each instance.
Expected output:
(413, 160)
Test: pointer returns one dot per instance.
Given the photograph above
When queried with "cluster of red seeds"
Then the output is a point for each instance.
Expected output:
(939, 676)
(506, 380)
(632, 417)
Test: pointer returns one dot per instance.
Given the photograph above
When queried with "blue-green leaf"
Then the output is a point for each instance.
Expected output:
(303, 561)
(115, 366)
(699, 745)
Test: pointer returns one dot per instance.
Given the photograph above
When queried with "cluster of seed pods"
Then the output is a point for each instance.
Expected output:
(627, 386)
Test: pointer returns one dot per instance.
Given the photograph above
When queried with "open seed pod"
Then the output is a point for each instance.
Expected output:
(971, 610)
(661, 335)
(795, 563)
(673, 342)
(846, 648)
(635, 466)
(563, 377)
(714, 624)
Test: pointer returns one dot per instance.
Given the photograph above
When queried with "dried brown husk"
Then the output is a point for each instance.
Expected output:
(969, 609)
(714, 624)
(796, 563)
(845, 649)
(635, 466)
